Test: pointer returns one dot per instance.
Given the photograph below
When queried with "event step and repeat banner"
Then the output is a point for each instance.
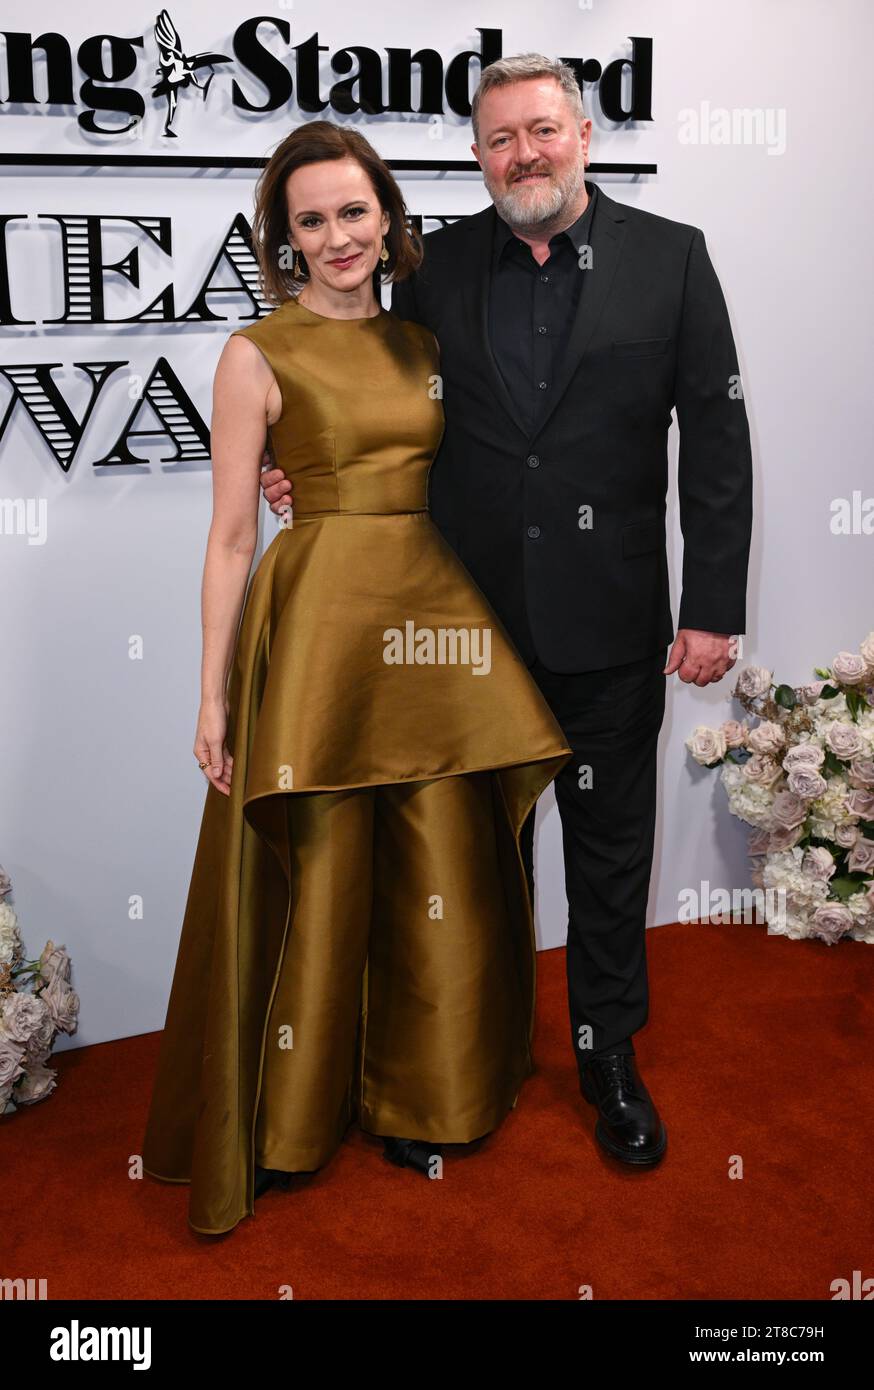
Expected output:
(130, 141)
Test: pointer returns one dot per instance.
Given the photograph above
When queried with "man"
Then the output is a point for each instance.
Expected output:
(569, 328)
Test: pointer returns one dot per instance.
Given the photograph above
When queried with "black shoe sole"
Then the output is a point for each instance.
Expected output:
(639, 1159)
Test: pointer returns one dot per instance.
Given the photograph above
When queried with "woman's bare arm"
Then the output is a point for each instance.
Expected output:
(245, 400)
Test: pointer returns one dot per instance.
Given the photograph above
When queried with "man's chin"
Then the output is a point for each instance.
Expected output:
(527, 206)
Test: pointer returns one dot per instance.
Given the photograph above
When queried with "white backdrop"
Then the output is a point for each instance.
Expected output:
(101, 794)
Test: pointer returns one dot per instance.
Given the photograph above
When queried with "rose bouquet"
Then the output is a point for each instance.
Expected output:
(36, 1003)
(803, 778)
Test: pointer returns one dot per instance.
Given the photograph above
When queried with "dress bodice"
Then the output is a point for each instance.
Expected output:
(361, 414)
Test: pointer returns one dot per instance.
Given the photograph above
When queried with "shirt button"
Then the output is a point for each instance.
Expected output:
(541, 330)
(542, 385)
(533, 461)
(545, 279)
(533, 532)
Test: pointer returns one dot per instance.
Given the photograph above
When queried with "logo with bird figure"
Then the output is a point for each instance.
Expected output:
(176, 70)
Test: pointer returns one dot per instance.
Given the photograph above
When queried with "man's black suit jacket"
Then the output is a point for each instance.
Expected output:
(585, 589)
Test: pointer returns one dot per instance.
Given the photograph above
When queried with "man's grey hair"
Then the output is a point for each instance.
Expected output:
(521, 68)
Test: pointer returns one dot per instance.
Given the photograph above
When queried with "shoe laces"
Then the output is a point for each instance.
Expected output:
(618, 1063)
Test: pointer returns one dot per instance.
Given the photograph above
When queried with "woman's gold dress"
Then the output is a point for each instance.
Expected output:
(358, 941)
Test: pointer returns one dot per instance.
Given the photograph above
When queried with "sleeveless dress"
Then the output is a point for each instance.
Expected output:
(358, 942)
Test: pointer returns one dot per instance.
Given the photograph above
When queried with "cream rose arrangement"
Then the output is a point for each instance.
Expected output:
(803, 778)
(36, 1003)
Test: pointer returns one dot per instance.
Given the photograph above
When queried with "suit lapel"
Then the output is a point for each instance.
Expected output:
(608, 234)
(482, 227)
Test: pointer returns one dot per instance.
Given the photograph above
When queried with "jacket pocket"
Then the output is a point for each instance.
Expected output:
(641, 537)
(640, 347)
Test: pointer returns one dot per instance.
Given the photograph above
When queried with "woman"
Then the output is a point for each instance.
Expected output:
(358, 940)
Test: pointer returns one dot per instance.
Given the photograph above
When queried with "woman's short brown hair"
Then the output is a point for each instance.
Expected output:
(310, 144)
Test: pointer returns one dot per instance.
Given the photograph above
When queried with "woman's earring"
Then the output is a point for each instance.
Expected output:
(296, 270)
(383, 255)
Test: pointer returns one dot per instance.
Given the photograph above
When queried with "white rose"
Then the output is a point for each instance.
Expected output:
(10, 937)
(11, 1058)
(767, 737)
(757, 841)
(866, 650)
(789, 810)
(761, 770)
(707, 746)
(861, 857)
(785, 836)
(734, 733)
(803, 755)
(830, 922)
(844, 740)
(848, 668)
(861, 773)
(806, 782)
(818, 862)
(38, 1082)
(22, 1016)
(846, 835)
(860, 803)
(753, 681)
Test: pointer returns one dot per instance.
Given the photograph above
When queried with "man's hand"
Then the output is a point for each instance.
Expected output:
(275, 486)
(701, 657)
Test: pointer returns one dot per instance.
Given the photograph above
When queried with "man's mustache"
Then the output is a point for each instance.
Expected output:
(520, 173)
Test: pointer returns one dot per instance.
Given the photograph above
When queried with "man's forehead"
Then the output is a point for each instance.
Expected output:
(529, 100)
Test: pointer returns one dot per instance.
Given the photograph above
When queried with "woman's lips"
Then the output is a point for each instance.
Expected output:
(342, 264)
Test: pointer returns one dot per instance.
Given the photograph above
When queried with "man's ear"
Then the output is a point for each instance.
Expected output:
(475, 151)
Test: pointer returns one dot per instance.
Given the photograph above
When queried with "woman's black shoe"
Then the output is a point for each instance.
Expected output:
(266, 1178)
(412, 1153)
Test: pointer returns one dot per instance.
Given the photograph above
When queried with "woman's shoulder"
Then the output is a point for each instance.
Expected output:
(262, 326)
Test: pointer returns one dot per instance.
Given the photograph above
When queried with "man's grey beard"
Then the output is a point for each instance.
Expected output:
(554, 201)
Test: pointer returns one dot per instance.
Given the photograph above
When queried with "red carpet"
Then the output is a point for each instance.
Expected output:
(756, 1046)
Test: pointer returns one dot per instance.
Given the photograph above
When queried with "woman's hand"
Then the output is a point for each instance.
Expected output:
(276, 486)
(209, 744)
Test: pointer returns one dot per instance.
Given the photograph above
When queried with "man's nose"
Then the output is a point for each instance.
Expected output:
(525, 151)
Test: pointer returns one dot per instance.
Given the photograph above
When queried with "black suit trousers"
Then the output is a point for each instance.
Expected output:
(606, 797)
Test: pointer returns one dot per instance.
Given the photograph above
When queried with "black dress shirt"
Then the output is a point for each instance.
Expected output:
(531, 307)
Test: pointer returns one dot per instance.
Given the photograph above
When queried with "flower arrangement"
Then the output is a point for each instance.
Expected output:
(803, 778)
(36, 1003)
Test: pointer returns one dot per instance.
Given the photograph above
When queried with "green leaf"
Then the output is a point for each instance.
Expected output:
(784, 696)
(846, 885)
(854, 702)
(829, 692)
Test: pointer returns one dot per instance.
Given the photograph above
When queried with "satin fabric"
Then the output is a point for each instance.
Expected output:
(357, 941)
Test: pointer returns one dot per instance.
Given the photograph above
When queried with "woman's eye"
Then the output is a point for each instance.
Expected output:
(352, 212)
(309, 221)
